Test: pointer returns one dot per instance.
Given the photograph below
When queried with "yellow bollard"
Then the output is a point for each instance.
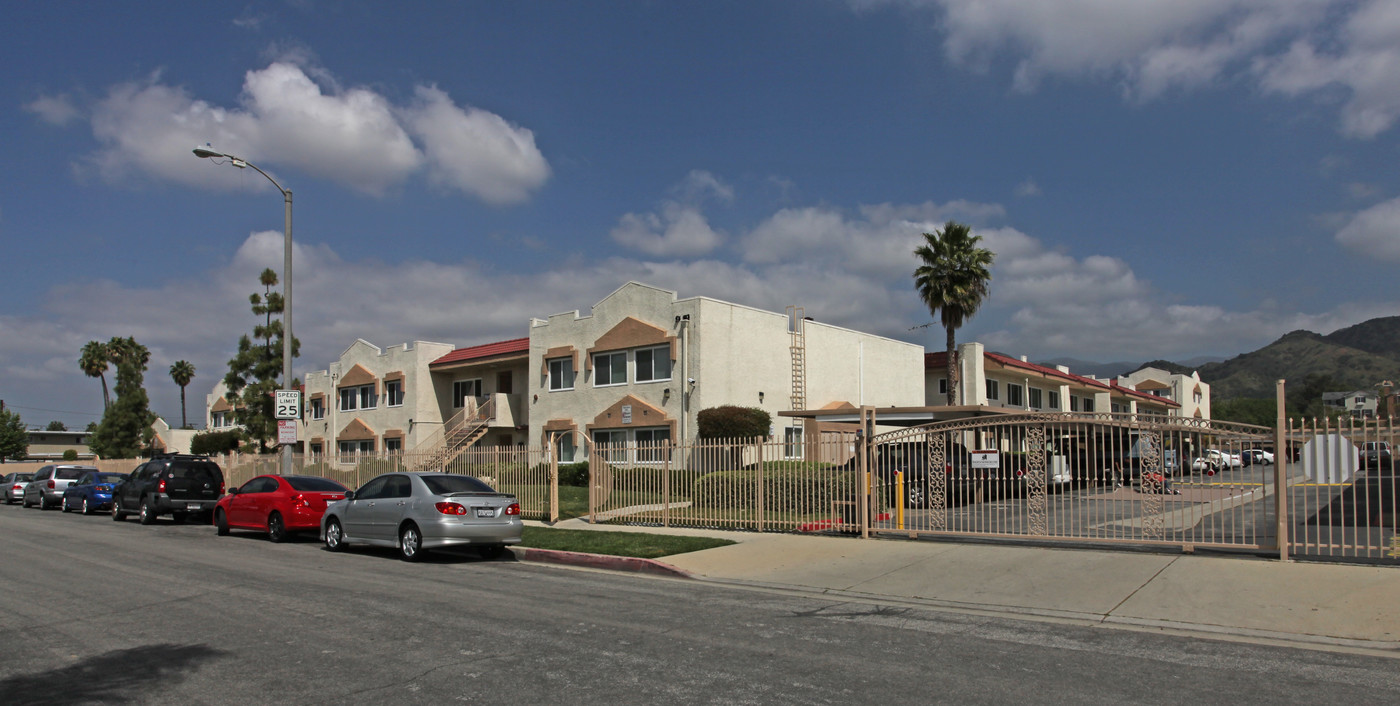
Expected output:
(899, 499)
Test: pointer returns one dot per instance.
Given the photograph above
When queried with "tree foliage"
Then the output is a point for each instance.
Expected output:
(14, 439)
(733, 422)
(182, 372)
(216, 442)
(254, 371)
(93, 361)
(56, 425)
(125, 430)
(952, 282)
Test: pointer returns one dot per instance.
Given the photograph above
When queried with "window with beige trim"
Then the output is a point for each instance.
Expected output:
(653, 364)
(610, 369)
(561, 374)
(393, 393)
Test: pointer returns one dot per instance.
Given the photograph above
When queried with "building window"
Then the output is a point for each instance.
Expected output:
(1073, 403)
(792, 442)
(361, 397)
(318, 408)
(1014, 395)
(942, 386)
(652, 445)
(992, 391)
(1036, 398)
(315, 449)
(353, 447)
(1088, 404)
(393, 444)
(218, 419)
(611, 441)
(609, 369)
(561, 374)
(653, 364)
(463, 389)
(1053, 397)
(564, 444)
(393, 393)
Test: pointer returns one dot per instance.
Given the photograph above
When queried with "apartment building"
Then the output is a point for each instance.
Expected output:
(996, 380)
(642, 362)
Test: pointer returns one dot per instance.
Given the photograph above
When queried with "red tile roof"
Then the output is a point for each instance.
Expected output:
(1136, 393)
(485, 350)
(939, 361)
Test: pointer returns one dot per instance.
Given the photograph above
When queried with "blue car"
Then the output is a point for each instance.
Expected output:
(92, 493)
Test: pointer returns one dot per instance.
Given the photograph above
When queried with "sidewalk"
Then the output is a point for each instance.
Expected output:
(1314, 603)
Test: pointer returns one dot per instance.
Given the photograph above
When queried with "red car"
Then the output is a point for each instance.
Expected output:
(277, 505)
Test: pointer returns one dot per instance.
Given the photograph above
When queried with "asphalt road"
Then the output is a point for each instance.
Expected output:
(96, 611)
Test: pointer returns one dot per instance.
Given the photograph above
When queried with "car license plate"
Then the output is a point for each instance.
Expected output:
(194, 506)
(485, 512)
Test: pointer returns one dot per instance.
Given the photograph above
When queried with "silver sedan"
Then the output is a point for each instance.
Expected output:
(415, 512)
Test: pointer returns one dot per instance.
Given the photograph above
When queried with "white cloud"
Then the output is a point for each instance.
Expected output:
(287, 120)
(54, 110)
(476, 151)
(1028, 188)
(678, 228)
(677, 231)
(1153, 47)
(1375, 232)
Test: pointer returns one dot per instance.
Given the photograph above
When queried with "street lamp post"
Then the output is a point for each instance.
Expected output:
(206, 153)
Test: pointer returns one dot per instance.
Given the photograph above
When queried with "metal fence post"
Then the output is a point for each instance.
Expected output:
(1281, 476)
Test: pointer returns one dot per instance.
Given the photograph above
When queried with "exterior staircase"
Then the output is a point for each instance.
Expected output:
(458, 434)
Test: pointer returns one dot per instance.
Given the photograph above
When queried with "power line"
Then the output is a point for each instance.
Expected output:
(55, 411)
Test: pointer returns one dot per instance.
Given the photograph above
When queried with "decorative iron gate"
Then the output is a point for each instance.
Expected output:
(1137, 478)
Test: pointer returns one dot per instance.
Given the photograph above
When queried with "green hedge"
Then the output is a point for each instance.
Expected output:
(793, 489)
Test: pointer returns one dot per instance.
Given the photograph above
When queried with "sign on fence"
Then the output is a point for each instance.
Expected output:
(985, 459)
(1330, 458)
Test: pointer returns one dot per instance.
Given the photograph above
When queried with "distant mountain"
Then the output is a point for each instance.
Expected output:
(1356, 357)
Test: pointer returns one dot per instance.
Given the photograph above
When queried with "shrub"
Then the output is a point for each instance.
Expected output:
(574, 474)
(70, 455)
(784, 489)
(733, 422)
(213, 443)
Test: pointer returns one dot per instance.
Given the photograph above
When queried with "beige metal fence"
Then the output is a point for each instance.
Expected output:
(1341, 488)
(733, 484)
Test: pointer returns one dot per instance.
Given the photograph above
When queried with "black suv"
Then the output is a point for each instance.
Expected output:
(179, 485)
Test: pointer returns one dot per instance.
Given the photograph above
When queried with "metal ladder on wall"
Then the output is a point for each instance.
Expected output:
(797, 316)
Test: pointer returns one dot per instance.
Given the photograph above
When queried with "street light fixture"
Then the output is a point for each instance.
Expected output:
(206, 153)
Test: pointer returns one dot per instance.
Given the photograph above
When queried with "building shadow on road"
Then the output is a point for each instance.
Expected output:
(117, 677)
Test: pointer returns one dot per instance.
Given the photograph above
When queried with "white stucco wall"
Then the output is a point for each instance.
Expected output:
(419, 402)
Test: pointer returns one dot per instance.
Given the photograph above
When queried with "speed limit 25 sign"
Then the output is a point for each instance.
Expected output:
(288, 404)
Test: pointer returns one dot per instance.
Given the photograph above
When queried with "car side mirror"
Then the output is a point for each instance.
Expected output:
(232, 491)
(349, 495)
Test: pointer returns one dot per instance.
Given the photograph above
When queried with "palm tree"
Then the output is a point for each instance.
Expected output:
(93, 361)
(182, 372)
(952, 282)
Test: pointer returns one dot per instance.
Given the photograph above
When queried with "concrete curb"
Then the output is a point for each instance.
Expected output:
(598, 561)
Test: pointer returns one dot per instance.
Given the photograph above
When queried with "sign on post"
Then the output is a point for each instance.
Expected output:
(288, 404)
(286, 431)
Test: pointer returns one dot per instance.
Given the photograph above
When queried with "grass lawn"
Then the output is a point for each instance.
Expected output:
(634, 544)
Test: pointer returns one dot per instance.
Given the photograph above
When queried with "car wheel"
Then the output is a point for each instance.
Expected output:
(147, 515)
(117, 514)
(220, 523)
(491, 551)
(87, 510)
(63, 505)
(276, 528)
(914, 495)
(44, 503)
(410, 543)
(335, 538)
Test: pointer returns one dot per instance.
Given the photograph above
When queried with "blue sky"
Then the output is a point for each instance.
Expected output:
(1158, 179)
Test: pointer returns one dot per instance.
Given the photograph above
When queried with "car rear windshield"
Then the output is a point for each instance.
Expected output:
(70, 473)
(23, 477)
(195, 470)
(315, 485)
(111, 477)
(447, 485)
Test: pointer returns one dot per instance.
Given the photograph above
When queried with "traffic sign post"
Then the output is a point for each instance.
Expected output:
(288, 404)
